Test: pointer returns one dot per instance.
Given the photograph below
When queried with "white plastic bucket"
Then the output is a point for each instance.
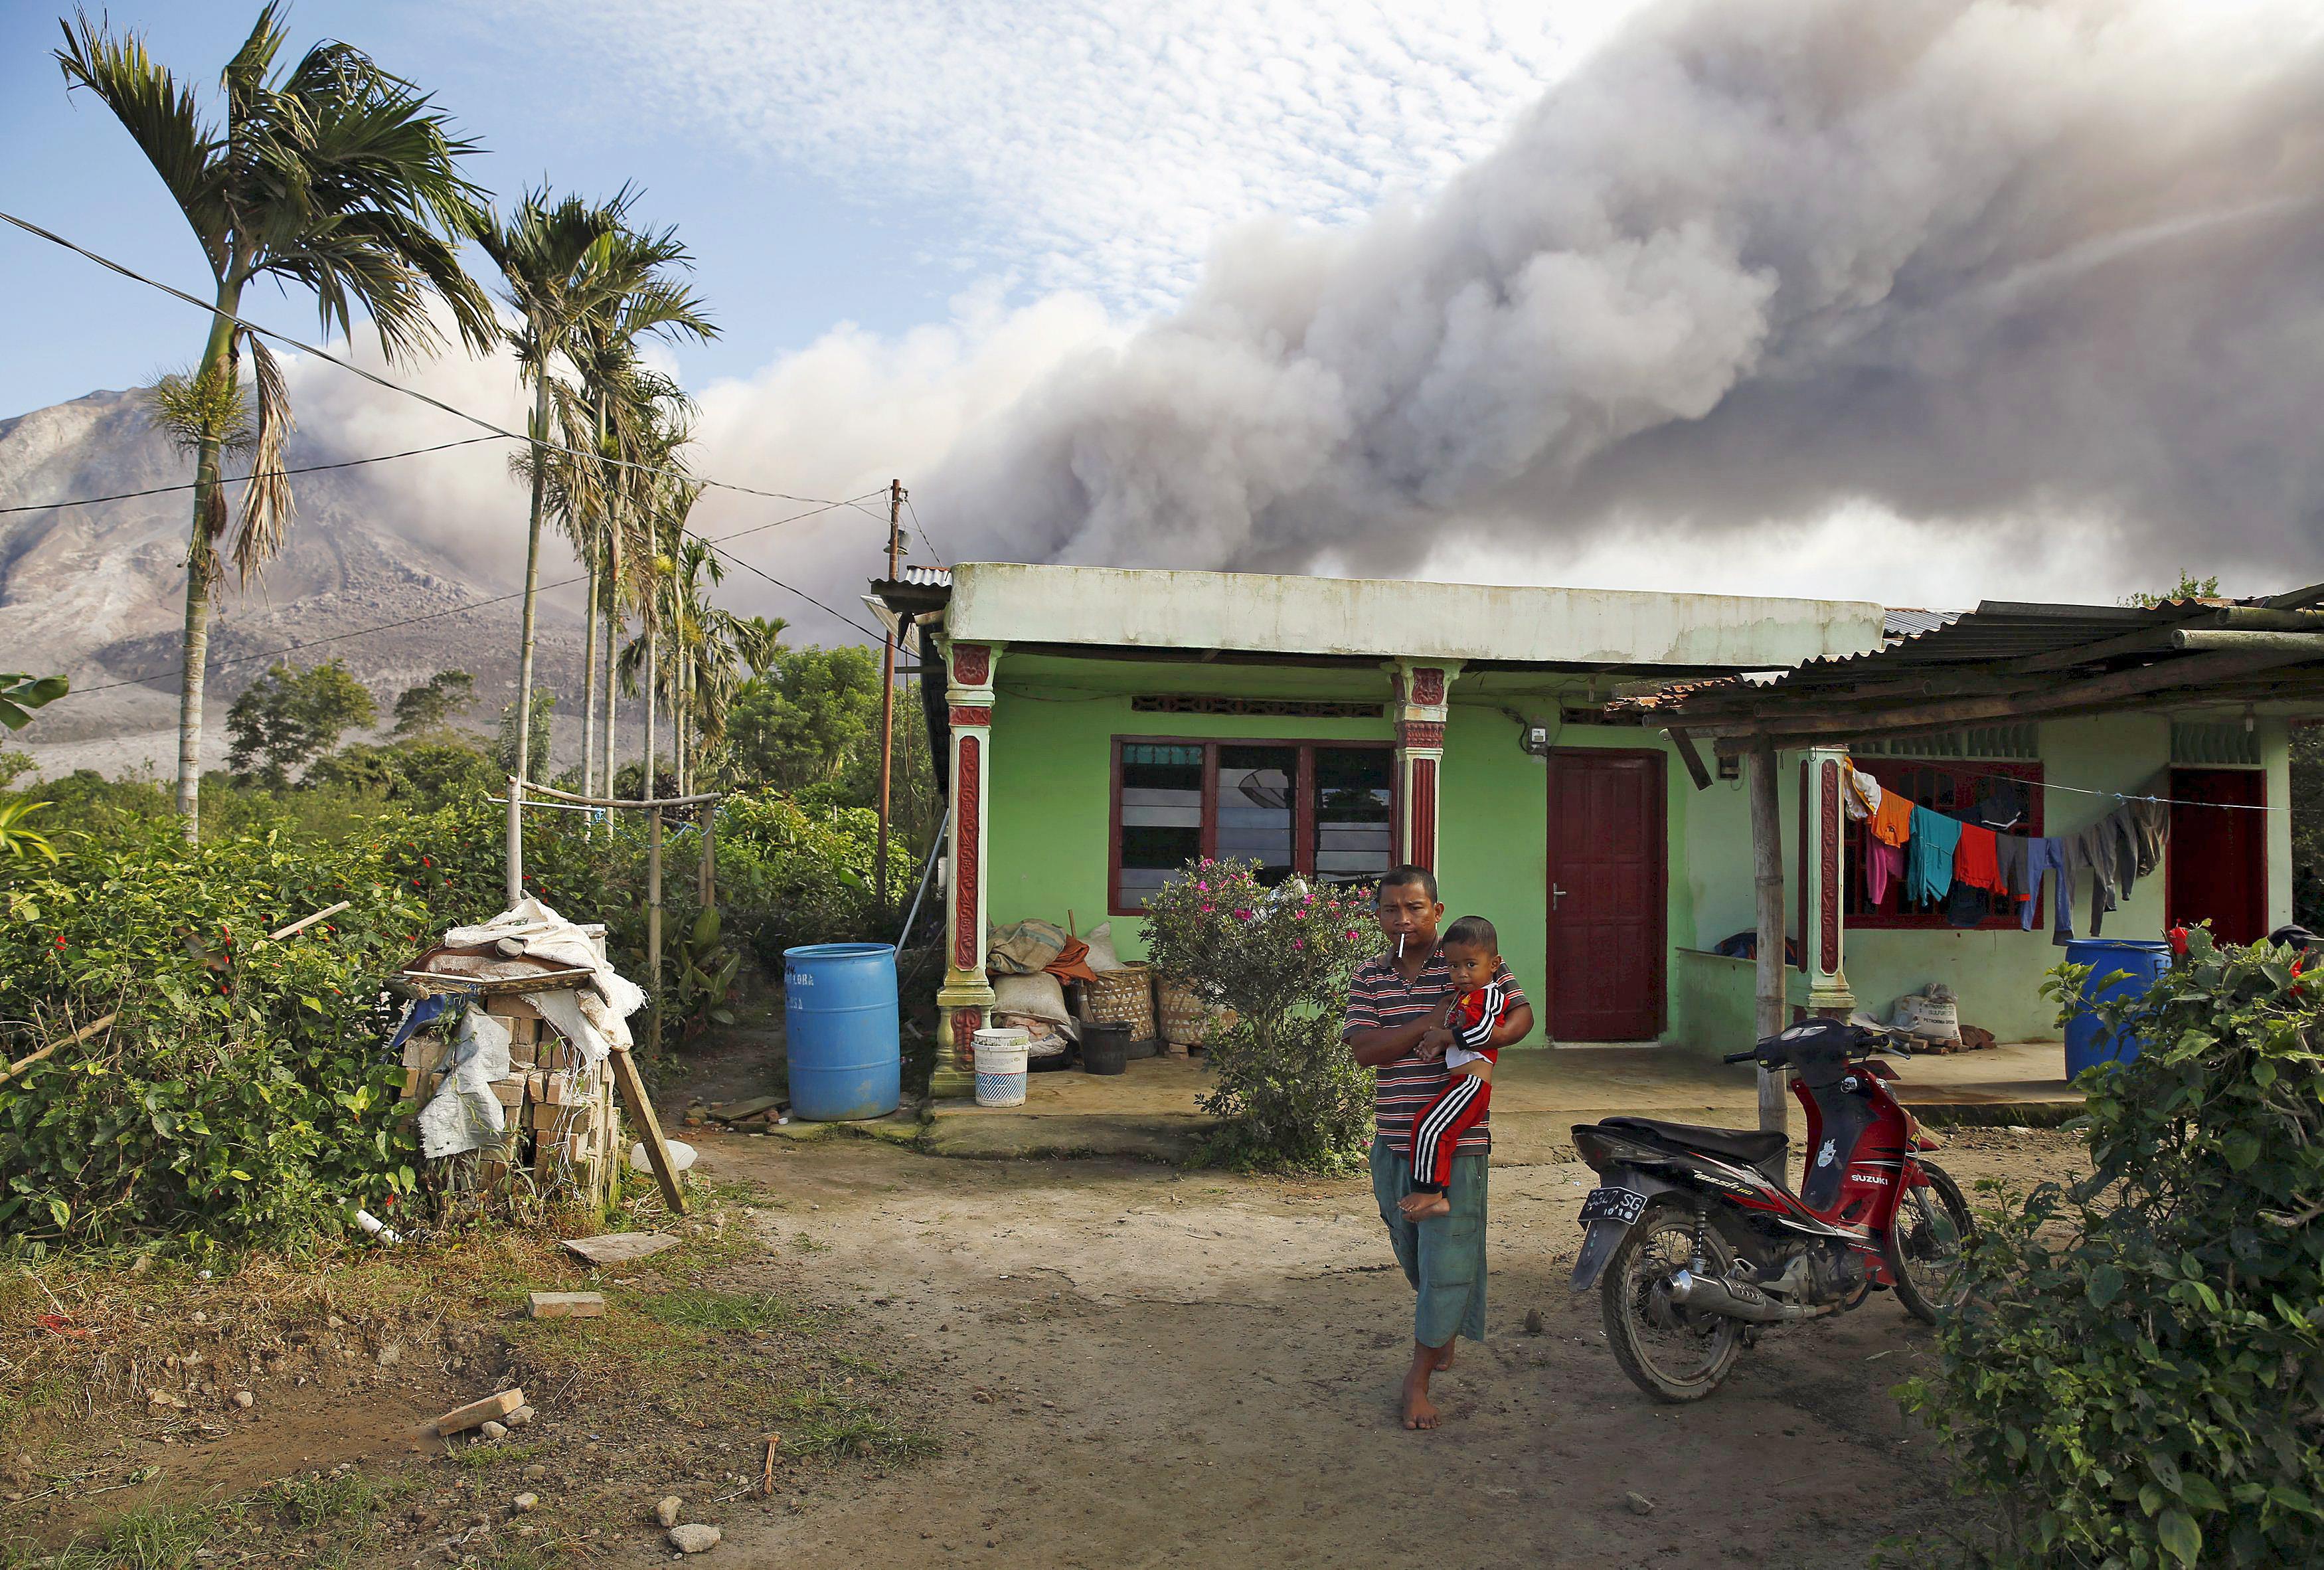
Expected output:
(1000, 1058)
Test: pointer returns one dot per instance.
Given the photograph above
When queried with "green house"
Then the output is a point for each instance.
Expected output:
(1105, 725)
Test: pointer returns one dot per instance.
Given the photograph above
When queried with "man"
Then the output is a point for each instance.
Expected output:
(1392, 1002)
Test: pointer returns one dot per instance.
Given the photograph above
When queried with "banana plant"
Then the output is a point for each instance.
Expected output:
(706, 975)
(15, 839)
(21, 694)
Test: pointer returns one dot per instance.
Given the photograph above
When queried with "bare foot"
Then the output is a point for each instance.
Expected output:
(1444, 1354)
(1419, 1411)
(1424, 1206)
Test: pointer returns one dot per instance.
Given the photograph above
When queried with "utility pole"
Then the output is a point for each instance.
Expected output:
(888, 700)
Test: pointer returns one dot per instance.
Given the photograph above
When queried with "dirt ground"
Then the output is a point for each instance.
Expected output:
(1139, 1366)
(1009, 1364)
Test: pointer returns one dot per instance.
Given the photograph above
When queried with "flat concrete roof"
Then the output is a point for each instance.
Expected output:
(1269, 612)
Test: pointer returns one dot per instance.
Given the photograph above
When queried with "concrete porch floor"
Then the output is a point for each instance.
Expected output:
(1150, 1112)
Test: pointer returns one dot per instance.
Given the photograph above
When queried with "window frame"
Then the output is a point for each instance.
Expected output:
(2025, 772)
(1303, 799)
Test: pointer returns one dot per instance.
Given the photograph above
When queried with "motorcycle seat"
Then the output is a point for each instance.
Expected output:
(1750, 1146)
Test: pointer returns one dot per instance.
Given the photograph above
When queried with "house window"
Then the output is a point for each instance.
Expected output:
(1958, 789)
(1323, 810)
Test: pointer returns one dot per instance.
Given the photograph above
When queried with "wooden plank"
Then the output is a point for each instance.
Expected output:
(633, 1097)
(75, 1039)
(1692, 757)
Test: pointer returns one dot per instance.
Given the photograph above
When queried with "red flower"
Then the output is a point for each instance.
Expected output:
(60, 940)
(2178, 935)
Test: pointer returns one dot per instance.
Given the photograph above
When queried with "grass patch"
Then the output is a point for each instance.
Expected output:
(703, 1308)
(148, 1537)
(476, 1459)
(830, 1423)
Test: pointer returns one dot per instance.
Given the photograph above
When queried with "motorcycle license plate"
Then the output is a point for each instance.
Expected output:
(1622, 1204)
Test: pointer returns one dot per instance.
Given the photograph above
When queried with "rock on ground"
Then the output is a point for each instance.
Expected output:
(694, 1538)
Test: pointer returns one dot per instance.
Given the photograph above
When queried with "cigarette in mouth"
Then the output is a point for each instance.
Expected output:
(1399, 946)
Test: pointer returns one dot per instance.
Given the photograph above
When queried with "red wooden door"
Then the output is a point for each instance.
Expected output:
(1603, 980)
(2218, 859)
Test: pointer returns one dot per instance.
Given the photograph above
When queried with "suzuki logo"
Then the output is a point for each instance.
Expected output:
(1824, 1157)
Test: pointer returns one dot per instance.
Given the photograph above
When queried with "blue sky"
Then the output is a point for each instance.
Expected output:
(859, 163)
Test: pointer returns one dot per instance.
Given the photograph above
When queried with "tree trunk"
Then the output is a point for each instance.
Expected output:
(653, 672)
(589, 685)
(521, 763)
(613, 687)
(201, 559)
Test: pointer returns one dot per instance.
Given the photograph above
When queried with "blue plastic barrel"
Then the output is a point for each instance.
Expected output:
(839, 1014)
(2087, 1041)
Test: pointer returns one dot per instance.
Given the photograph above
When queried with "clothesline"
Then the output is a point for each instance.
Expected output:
(2116, 795)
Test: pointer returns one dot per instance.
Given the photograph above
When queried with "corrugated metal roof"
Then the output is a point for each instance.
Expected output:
(1907, 622)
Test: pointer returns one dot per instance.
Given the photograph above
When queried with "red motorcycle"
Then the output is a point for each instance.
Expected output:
(1695, 1241)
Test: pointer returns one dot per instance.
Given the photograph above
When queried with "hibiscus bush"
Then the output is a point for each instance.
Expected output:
(2136, 1377)
(1292, 1095)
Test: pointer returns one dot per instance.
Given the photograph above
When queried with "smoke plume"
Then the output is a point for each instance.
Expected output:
(2005, 268)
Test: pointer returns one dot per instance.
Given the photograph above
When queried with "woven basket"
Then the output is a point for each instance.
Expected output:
(1186, 1020)
(1122, 997)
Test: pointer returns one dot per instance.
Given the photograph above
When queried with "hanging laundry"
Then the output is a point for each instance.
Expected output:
(2009, 860)
(2149, 823)
(1884, 864)
(1929, 859)
(1863, 797)
(1977, 862)
(1893, 824)
(2048, 855)
(2004, 804)
(1968, 905)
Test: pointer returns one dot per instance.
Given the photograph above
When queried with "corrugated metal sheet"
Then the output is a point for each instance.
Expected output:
(1907, 622)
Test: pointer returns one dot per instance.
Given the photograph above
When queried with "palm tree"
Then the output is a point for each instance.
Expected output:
(552, 255)
(654, 520)
(336, 177)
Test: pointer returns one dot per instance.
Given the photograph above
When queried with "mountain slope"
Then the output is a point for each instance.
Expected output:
(98, 591)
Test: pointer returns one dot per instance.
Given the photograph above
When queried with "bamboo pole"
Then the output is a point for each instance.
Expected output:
(1767, 888)
(77, 1036)
(653, 920)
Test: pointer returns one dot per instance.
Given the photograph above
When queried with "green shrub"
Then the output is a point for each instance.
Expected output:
(2138, 1376)
(1292, 1093)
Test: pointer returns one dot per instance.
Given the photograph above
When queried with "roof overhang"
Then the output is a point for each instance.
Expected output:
(1171, 614)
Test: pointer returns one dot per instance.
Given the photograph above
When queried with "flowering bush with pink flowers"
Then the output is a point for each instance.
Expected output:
(1290, 1093)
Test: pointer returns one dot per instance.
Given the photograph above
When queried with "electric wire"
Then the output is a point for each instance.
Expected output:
(475, 419)
(238, 479)
(794, 588)
(923, 534)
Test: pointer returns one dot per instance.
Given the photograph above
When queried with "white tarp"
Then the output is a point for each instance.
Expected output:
(547, 936)
(465, 1114)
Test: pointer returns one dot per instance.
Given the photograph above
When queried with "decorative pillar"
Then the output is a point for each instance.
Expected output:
(1827, 864)
(1417, 704)
(963, 1001)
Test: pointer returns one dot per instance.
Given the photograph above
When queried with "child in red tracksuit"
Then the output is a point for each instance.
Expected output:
(1481, 1002)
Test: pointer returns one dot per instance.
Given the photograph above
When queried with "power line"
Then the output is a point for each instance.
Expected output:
(802, 593)
(923, 534)
(109, 264)
(238, 479)
(486, 604)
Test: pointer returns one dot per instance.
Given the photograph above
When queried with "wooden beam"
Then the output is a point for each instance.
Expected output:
(1696, 769)
(2298, 599)
(633, 1097)
(2169, 639)
(1767, 890)
(1801, 728)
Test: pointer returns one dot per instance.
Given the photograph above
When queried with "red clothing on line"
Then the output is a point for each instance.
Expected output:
(1975, 863)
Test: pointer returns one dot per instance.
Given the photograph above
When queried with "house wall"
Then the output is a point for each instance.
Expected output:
(1051, 777)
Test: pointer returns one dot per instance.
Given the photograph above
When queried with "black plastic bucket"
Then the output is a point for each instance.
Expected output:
(1106, 1049)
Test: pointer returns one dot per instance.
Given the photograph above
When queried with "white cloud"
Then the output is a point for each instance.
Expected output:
(1091, 148)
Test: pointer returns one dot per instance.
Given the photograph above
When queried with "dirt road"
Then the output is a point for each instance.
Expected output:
(1137, 1366)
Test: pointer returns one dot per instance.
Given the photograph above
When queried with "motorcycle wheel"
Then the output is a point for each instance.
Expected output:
(1925, 1242)
(1669, 1352)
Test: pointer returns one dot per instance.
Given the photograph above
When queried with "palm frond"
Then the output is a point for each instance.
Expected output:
(267, 504)
(162, 115)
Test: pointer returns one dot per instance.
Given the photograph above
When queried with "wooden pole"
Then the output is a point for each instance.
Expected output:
(888, 705)
(1767, 887)
(633, 1097)
(653, 921)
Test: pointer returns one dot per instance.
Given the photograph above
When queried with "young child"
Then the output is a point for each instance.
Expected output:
(1482, 1001)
